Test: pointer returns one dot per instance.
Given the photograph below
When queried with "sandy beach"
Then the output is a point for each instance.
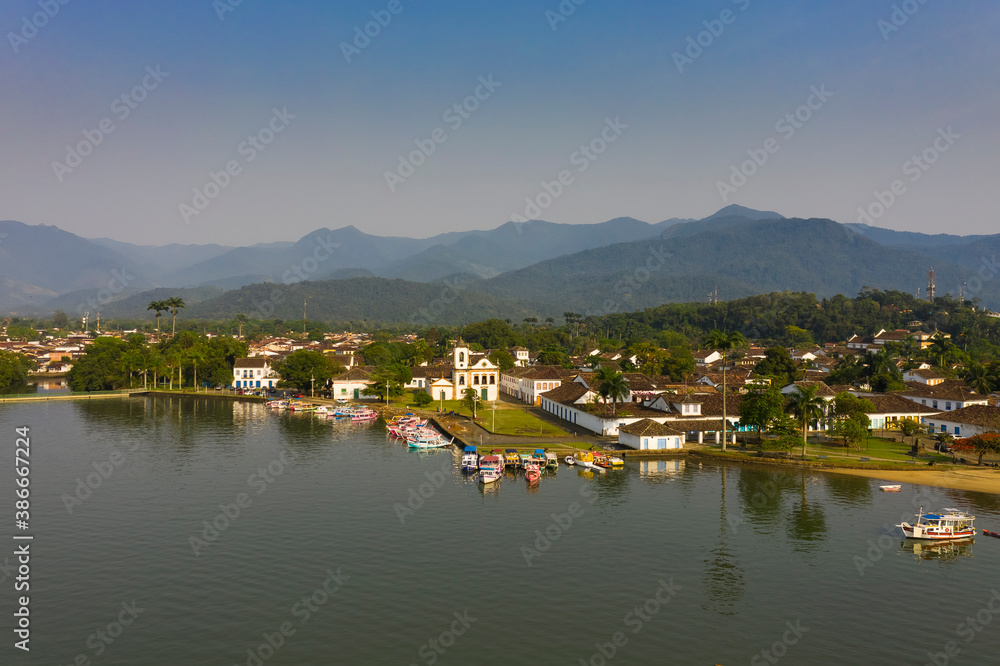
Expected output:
(983, 480)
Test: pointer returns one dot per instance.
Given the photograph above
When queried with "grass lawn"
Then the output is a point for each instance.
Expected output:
(874, 448)
(509, 420)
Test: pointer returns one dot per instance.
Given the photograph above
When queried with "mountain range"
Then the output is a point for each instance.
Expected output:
(534, 268)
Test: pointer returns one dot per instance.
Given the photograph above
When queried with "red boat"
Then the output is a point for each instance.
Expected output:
(992, 534)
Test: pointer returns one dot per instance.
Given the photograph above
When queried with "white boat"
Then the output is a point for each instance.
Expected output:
(586, 459)
(891, 488)
(569, 460)
(490, 469)
(470, 460)
(433, 442)
(951, 524)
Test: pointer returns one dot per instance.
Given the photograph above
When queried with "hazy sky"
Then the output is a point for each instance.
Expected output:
(115, 113)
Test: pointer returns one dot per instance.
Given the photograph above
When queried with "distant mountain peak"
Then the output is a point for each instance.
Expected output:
(734, 210)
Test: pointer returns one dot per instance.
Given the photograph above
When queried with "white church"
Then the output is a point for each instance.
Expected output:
(469, 370)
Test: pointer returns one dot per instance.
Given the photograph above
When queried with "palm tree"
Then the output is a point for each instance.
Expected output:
(808, 406)
(174, 303)
(615, 387)
(977, 376)
(724, 342)
(160, 307)
(241, 319)
(941, 350)
(194, 355)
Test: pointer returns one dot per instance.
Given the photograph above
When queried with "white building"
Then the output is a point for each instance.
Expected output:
(254, 373)
(468, 370)
(647, 434)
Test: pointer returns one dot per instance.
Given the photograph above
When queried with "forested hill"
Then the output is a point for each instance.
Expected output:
(799, 318)
(739, 256)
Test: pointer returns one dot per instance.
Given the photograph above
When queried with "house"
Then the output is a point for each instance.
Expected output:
(892, 409)
(527, 384)
(647, 434)
(520, 355)
(946, 395)
(707, 357)
(966, 421)
(352, 384)
(928, 377)
(254, 373)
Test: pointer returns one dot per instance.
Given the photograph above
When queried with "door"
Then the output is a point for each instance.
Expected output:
(483, 395)
(357, 394)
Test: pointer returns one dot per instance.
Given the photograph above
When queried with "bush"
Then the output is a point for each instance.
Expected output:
(422, 398)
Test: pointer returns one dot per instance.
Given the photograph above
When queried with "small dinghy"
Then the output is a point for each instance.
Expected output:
(891, 489)
(995, 535)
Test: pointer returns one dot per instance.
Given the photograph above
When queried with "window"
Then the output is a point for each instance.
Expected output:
(934, 405)
(461, 357)
(944, 428)
(461, 380)
(947, 405)
(661, 443)
(492, 380)
(957, 430)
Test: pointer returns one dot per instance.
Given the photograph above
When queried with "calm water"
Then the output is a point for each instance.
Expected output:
(677, 563)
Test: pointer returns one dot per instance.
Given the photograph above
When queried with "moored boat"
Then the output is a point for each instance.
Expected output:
(511, 459)
(992, 534)
(490, 469)
(891, 488)
(952, 524)
(470, 460)
(531, 473)
(551, 460)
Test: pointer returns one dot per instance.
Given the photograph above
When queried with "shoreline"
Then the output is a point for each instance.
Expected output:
(981, 480)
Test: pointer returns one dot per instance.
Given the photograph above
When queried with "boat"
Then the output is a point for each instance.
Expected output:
(551, 460)
(531, 473)
(995, 535)
(490, 469)
(616, 462)
(470, 460)
(428, 442)
(569, 460)
(538, 457)
(585, 459)
(952, 524)
(511, 459)
(891, 489)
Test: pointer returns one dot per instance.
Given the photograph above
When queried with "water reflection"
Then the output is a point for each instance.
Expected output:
(657, 471)
(723, 577)
(856, 491)
(763, 496)
(943, 550)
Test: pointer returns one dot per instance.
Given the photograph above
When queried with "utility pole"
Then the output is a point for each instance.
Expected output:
(304, 300)
(312, 385)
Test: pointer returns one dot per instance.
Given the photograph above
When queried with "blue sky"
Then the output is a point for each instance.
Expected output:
(222, 76)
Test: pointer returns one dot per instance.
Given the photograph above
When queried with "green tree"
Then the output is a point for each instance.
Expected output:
(615, 388)
(101, 368)
(977, 376)
(306, 368)
(807, 406)
(14, 369)
(470, 400)
(759, 409)
(421, 398)
(391, 377)
(777, 363)
(502, 359)
(725, 342)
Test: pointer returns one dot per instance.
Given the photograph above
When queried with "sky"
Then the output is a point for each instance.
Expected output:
(241, 122)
